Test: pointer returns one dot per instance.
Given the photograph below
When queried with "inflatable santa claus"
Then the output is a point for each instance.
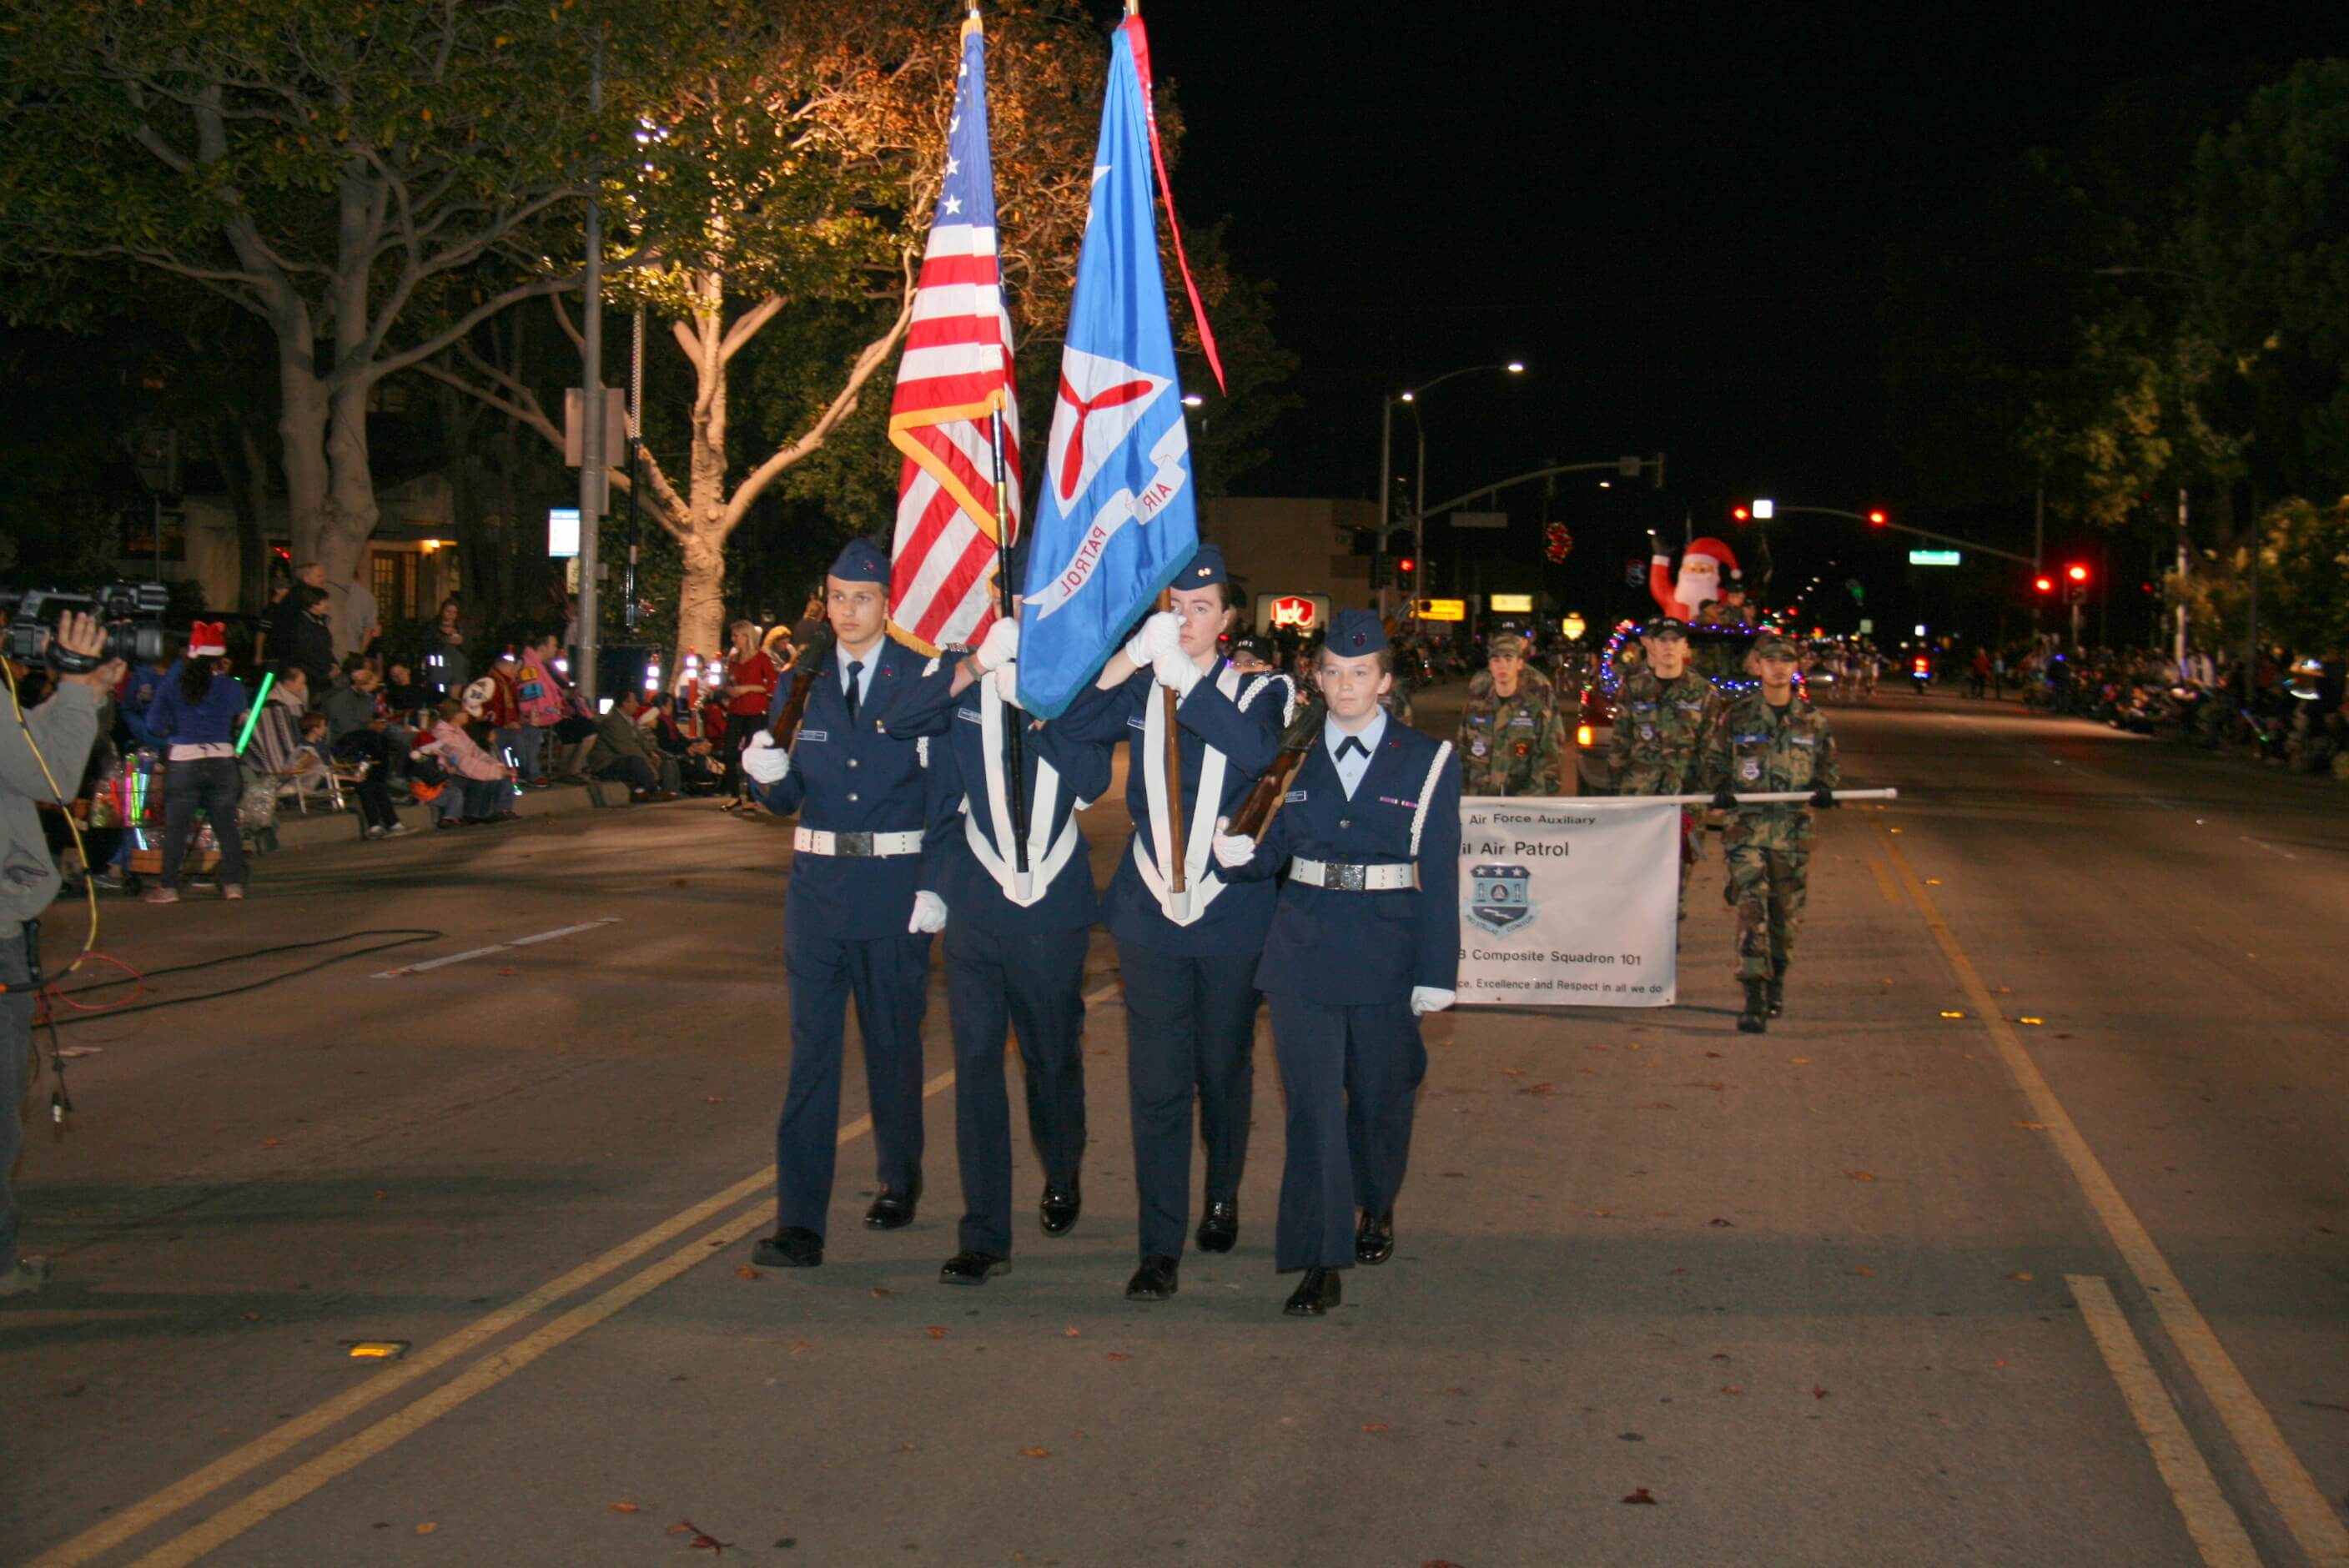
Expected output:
(1703, 566)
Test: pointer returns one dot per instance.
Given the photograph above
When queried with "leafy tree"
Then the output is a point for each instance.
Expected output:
(336, 172)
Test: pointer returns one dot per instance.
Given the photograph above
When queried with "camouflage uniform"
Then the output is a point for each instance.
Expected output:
(1513, 745)
(1769, 847)
(1662, 731)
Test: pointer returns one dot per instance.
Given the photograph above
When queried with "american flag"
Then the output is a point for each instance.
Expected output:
(957, 367)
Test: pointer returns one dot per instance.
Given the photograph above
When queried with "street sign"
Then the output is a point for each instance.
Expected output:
(1510, 604)
(1442, 609)
(1573, 626)
(562, 532)
(1935, 557)
(1480, 520)
(1765, 509)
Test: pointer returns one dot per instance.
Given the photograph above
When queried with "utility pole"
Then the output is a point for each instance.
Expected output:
(2178, 654)
(592, 481)
(1386, 500)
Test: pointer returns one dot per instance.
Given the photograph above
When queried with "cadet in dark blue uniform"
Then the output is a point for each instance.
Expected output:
(1015, 947)
(1365, 938)
(858, 918)
(1188, 959)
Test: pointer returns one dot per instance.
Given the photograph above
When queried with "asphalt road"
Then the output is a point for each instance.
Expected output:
(2021, 1239)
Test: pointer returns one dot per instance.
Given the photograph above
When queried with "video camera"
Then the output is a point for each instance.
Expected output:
(130, 613)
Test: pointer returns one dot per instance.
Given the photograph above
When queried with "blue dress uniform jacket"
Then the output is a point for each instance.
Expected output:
(970, 833)
(1244, 723)
(1013, 966)
(863, 777)
(1357, 948)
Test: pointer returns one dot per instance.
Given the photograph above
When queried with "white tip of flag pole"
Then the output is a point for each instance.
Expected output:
(1021, 883)
(1178, 905)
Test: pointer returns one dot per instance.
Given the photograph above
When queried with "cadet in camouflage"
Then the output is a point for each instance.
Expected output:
(1666, 716)
(1771, 741)
(1512, 740)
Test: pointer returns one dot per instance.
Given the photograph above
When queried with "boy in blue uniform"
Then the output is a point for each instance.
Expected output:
(1188, 959)
(1015, 946)
(858, 918)
(1365, 938)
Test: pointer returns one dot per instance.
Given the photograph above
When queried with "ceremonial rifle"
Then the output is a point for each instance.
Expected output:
(804, 672)
(1296, 742)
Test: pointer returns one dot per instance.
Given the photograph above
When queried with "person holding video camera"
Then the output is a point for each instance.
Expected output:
(41, 757)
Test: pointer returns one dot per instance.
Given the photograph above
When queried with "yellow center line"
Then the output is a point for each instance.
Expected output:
(152, 1511)
(1884, 884)
(2212, 1524)
(2286, 1481)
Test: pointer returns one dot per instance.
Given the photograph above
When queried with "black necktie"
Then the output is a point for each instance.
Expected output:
(1351, 747)
(855, 668)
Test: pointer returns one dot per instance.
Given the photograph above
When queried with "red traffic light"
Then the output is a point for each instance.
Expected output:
(1407, 564)
(2076, 573)
(1740, 513)
(1879, 519)
(2046, 584)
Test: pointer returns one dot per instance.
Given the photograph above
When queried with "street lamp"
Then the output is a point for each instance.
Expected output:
(1386, 461)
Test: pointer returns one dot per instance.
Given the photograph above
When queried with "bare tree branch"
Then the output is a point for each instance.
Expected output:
(852, 392)
(747, 327)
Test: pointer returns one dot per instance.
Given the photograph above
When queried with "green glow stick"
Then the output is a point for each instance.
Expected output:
(254, 717)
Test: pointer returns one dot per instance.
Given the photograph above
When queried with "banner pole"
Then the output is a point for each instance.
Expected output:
(1015, 756)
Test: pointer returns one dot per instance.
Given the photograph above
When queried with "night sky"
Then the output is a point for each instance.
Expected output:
(1676, 215)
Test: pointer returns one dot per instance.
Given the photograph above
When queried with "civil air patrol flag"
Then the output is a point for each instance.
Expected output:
(1118, 516)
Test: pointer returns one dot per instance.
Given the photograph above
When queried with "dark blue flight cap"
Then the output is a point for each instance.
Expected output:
(861, 561)
(1205, 570)
(1355, 633)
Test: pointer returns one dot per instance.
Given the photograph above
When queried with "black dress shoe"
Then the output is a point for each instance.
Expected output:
(894, 1211)
(1155, 1280)
(1219, 1227)
(972, 1268)
(1374, 1237)
(1315, 1294)
(1060, 1206)
(792, 1247)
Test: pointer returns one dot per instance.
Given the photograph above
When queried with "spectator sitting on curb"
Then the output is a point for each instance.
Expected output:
(633, 758)
(369, 750)
(478, 782)
(699, 770)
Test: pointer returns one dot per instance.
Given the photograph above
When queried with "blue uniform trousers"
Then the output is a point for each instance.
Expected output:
(1190, 1035)
(1030, 984)
(889, 976)
(1352, 1074)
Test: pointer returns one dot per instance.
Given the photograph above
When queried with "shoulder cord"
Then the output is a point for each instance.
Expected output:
(1427, 793)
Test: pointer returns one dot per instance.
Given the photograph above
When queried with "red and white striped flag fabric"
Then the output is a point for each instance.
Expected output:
(956, 370)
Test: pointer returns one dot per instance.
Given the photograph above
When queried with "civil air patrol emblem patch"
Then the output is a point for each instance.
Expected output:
(1500, 898)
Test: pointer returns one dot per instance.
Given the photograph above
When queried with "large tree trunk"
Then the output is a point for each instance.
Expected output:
(701, 602)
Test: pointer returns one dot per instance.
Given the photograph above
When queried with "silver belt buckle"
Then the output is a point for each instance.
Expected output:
(1346, 879)
(854, 845)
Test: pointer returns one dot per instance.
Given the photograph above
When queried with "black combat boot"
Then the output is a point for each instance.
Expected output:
(1755, 1018)
(1778, 991)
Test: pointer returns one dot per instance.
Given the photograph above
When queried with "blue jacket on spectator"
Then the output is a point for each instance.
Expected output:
(211, 722)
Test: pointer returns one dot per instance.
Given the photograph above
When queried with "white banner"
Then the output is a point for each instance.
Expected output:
(1568, 903)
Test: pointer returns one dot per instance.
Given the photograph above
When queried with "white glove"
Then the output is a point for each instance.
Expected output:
(1429, 999)
(1007, 682)
(1000, 646)
(1163, 630)
(764, 761)
(1232, 850)
(929, 914)
(1174, 670)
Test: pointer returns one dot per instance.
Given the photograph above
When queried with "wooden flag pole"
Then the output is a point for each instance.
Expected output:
(1177, 827)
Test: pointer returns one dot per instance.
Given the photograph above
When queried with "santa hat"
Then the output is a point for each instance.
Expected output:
(208, 640)
(1711, 549)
